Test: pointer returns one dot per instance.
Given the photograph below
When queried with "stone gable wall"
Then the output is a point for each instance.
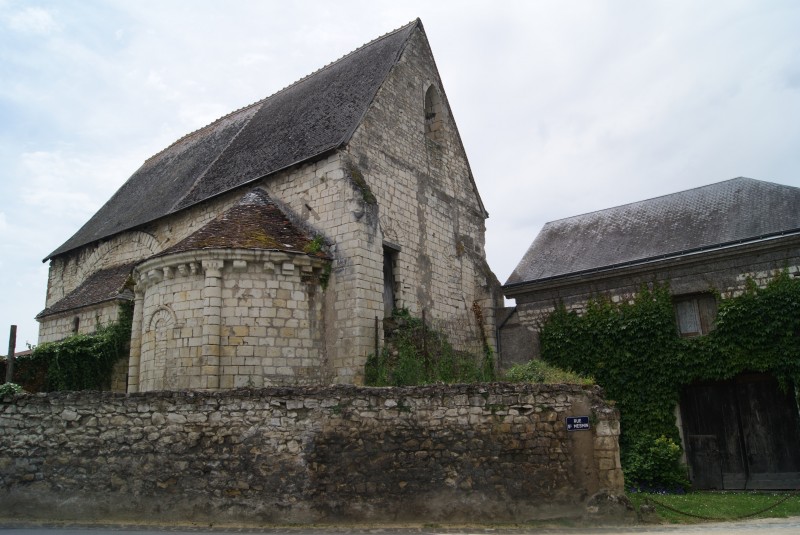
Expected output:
(480, 453)
(426, 204)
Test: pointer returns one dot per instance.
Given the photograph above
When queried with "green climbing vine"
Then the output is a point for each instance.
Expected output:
(79, 362)
(634, 351)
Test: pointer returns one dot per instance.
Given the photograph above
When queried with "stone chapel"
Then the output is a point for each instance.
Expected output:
(267, 247)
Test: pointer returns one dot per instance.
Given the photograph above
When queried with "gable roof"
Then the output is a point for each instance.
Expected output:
(103, 285)
(255, 222)
(735, 211)
(314, 115)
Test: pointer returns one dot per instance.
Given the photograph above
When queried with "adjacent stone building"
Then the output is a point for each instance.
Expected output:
(704, 242)
(266, 247)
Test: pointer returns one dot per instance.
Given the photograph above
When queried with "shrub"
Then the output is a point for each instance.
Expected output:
(538, 371)
(416, 354)
(655, 465)
(9, 389)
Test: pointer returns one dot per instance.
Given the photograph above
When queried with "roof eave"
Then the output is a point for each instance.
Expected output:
(318, 156)
(648, 264)
(69, 311)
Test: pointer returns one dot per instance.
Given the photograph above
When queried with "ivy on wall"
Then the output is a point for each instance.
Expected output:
(758, 331)
(634, 351)
(79, 362)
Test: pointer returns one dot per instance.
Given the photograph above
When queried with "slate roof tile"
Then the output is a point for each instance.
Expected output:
(101, 286)
(255, 222)
(736, 210)
(314, 115)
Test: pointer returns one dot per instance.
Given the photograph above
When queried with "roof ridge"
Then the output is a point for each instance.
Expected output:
(248, 143)
(723, 214)
(202, 175)
(417, 22)
(294, 84)
(339, 60)
(285, 88)
(209, 125)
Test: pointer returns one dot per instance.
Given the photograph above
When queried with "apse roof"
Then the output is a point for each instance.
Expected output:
(255, 222)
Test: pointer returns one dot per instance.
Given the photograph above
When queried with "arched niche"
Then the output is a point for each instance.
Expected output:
(434, 115)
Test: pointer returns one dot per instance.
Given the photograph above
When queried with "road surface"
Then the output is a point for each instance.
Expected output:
(768, 526)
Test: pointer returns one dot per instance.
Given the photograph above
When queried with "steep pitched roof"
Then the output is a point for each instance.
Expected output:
(101, 286)
(739, 210)
(303, 121)
(255, 222)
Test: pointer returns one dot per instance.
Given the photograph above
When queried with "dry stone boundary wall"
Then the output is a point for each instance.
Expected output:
(492, 452)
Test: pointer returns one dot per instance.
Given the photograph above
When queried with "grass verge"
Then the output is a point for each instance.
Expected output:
(719, 505)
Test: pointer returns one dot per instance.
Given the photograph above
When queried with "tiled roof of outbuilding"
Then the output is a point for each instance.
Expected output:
(255, 222)
(101, 286)
(303, 121)
(734, 211)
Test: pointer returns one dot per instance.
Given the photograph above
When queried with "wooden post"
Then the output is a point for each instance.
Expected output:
(376, 337)
(425, 360)
(12, 345)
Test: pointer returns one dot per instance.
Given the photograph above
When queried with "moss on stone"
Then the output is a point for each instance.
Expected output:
(360, 182)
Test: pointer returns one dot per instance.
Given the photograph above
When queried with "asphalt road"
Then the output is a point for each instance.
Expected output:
(779, 526)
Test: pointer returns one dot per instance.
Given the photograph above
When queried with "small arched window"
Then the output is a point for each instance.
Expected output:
(434, 125)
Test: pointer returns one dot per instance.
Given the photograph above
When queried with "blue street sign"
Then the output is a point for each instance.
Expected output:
(578, 423)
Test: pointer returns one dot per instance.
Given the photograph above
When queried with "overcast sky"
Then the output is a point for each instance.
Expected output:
(563, 107)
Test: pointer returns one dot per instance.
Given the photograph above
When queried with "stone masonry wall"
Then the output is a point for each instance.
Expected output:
(59, 326)
(324, 197)
(69, 270)
(426, 203)
(494, 452)
(228, 318)
(318, 193)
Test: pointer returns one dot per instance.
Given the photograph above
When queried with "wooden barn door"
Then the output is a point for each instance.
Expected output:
(742, 434)
(771, 432)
